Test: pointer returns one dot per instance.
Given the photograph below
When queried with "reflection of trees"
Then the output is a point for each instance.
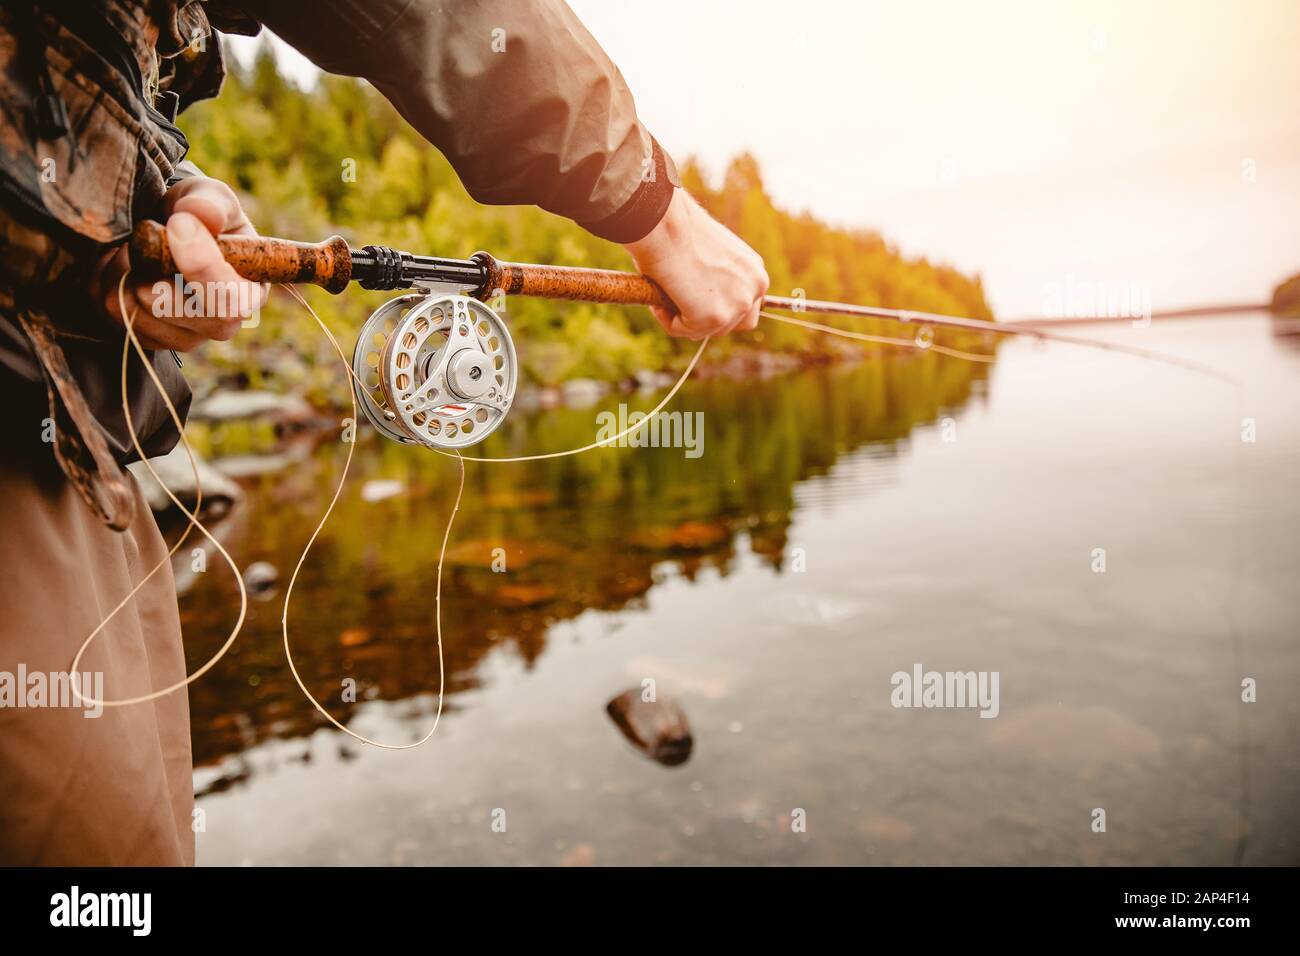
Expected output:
(578, 533)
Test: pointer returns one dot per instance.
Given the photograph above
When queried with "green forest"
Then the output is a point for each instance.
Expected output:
(338, 159)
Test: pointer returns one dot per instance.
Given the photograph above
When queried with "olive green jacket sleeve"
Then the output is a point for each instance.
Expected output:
(516, 93)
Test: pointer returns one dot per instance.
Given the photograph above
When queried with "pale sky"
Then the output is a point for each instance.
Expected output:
(1038, 143)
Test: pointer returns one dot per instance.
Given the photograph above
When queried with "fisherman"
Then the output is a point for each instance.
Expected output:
(524, 104)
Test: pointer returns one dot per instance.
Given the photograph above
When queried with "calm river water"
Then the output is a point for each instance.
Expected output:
(841, 525)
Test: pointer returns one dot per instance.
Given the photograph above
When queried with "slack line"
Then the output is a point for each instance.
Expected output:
(436, 367)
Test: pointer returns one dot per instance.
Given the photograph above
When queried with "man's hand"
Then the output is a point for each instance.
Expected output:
(197, 209)
(713, 277)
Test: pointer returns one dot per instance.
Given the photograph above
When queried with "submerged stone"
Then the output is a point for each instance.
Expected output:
(658, 728)
(260, 579)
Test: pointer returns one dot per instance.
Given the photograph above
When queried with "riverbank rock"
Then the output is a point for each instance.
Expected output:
(290, 411)
(380, 489)
(260, 579)
(582, 392)
(649, 381)
(253, 465)
(657, 728)
(219, 492)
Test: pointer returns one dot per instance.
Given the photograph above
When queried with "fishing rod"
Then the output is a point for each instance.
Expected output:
(438, 367)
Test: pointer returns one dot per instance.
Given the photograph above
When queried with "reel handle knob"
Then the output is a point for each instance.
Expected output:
(571, 282)
(328, 264)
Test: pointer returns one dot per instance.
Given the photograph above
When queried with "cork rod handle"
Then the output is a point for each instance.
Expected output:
(571, 282)
(259, 258)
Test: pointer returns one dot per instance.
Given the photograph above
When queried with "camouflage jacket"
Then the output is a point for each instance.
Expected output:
(85, 155)
(519, 96)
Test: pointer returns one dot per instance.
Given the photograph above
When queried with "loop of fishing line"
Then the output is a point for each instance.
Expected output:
(131, 341)
(690, 367)
(302, 559)
(460, 491)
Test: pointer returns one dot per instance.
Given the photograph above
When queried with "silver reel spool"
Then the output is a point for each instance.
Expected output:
(439, 370)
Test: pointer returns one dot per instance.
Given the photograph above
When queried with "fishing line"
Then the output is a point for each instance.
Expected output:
(831, 330)
(883, 339)
(302, 559)
(977, 325)
(460, 491)
(917, 344)
(613, 438)
(131, 341)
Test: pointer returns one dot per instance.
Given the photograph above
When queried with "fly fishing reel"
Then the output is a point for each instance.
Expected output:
(438, 370)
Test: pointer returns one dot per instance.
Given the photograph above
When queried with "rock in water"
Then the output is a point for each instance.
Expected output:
(259, 579)
(380, 489)
(219, 492)
(657, 728)
(582, 392)
(224, 406)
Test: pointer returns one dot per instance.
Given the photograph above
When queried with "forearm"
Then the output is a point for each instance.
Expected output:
(529, 110)
(519, 97)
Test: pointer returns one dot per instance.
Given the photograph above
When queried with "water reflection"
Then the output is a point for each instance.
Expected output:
(591, 532)
(1119, 690)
